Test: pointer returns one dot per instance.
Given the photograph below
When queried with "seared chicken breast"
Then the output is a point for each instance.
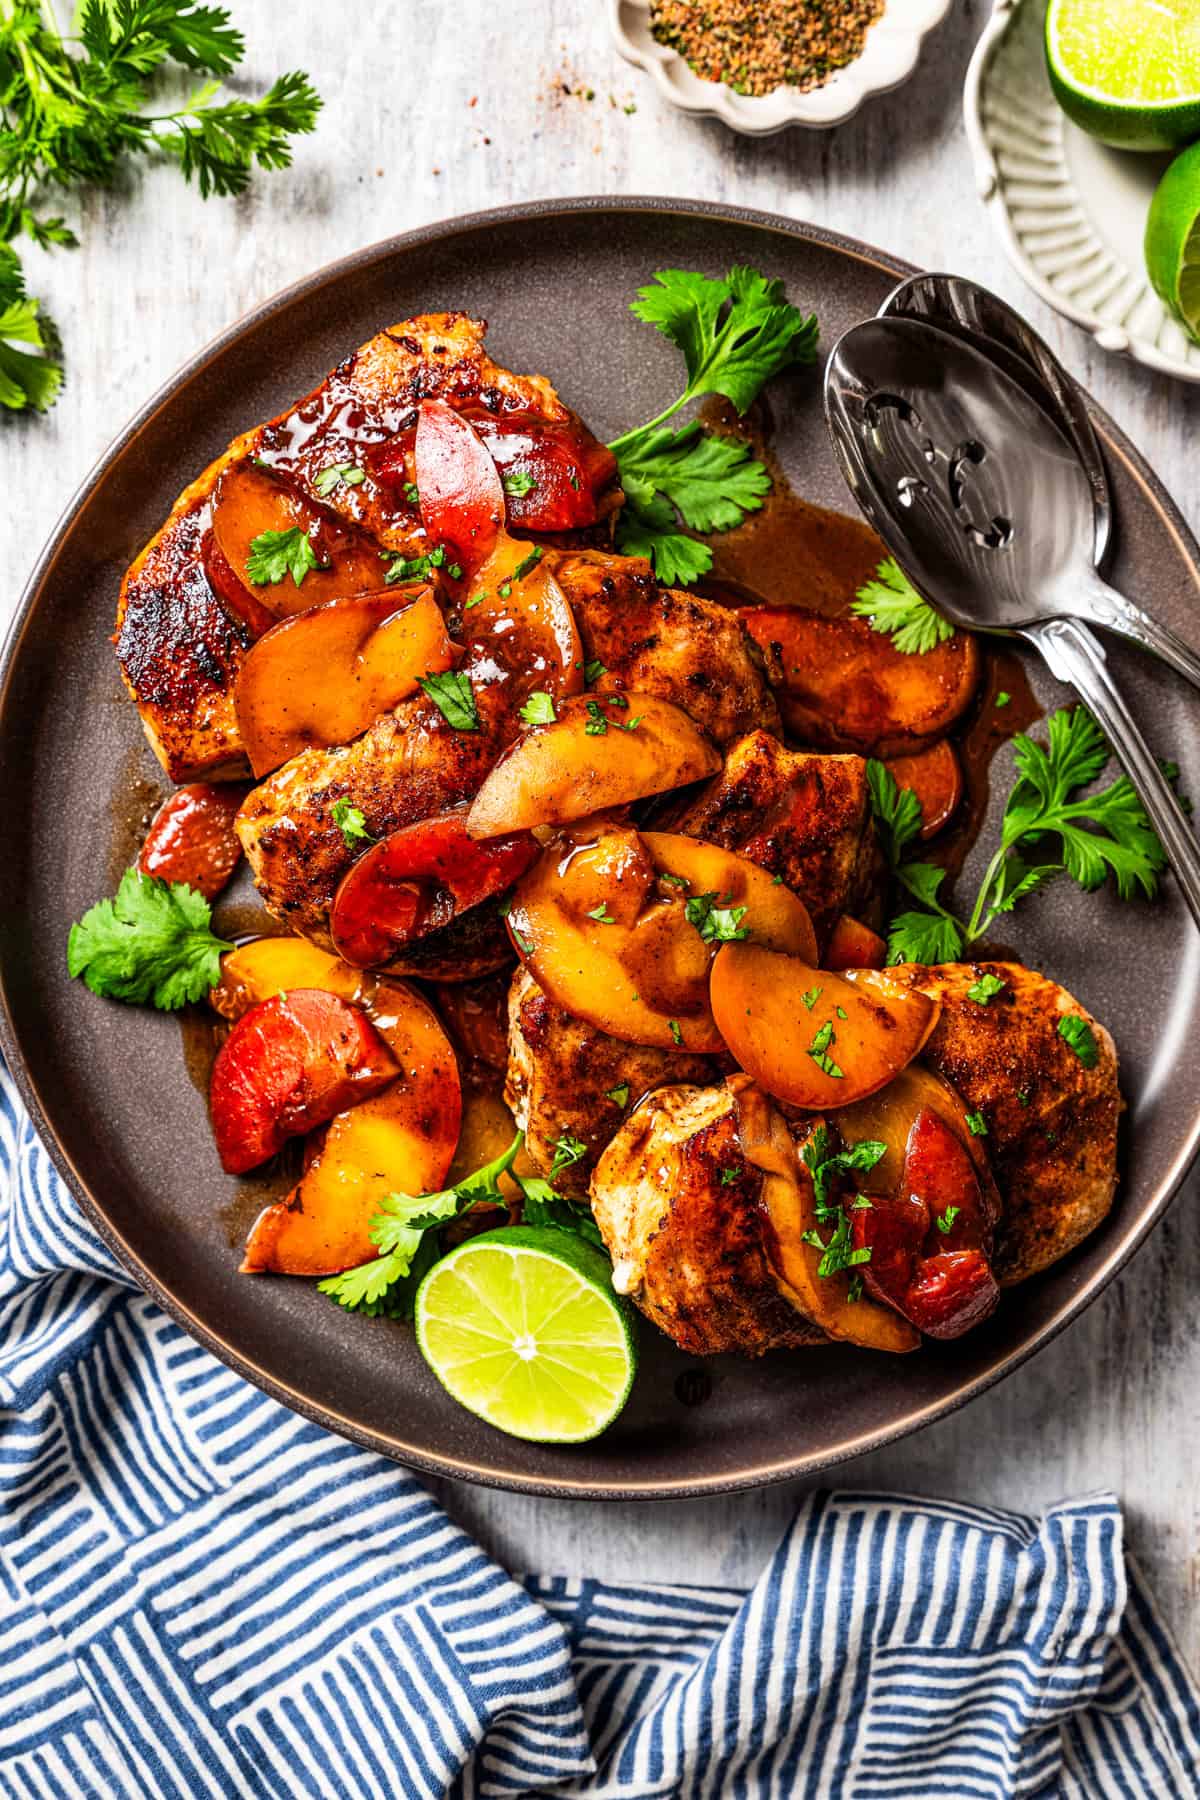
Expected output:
(1051, 1120)
(565, 1080)
(409, 765)
(178, 647)
(679, 1208)
(678, 647)
(804, 817)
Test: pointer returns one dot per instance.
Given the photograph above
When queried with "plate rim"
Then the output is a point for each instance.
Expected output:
(441, 1464)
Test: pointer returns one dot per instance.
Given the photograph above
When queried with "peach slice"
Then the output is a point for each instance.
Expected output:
(774, 915)
(853, 945)
(322, 676)
(247, 502)
(402, 1140)
(417, 880)
(611, 942)
(811, 1038)
(191, 837)
(791, 1208)
(847, 687)
(935, 777)
(462, 499)
(290, 1064)
(516, 610)
(598, 753)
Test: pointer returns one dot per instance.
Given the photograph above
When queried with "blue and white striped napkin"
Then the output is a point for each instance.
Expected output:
(203, 1595)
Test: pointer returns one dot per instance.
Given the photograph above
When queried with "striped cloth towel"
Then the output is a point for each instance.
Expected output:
(203, 1595)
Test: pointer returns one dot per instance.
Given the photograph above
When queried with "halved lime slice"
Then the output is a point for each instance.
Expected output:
(1173, 239)
(1127, 71)
(522, 1327)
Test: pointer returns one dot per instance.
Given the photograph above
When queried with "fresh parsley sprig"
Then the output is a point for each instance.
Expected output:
(891, 604)
(28, 380)
(72, 109)
(399, 1229)
(407, 1228)
(151, 945)
(1050, 828)
(735, 334)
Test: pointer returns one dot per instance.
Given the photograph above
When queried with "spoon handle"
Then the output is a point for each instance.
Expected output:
(1106, 607)
(1075, 655)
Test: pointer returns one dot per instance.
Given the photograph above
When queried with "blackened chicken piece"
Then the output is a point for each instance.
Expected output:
(805, 817)
(678, 647)
(1051, 1119)
(681, 1212)
(569, 1083)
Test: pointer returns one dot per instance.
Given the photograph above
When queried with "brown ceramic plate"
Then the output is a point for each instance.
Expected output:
(107, 1084)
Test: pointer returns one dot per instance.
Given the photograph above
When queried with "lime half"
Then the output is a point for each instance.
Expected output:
(1127, 71)
(522, 1327)
(1173, 239)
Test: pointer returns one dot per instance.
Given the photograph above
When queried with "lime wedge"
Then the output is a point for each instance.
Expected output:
(1173, 239)
(1127, 71)
(522, 1327)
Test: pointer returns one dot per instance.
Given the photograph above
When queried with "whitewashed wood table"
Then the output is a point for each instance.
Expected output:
(434, 114)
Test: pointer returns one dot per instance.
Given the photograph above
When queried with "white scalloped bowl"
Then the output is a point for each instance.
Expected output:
(1070, 212)
(888, 59)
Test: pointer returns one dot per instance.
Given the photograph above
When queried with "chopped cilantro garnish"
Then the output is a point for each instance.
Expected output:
(1082, 1039)
(538, 710)
(338, 474)
(454, 698)
(985, 989)
(716, 924)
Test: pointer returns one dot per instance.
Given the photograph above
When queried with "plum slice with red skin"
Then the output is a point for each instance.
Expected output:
(191, 837)
(292, 1063)
(417, 880)
(950, 1293)
(937, 1275)
(462, 499)
(556, 471)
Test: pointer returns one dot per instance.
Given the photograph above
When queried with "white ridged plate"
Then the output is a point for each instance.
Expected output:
(889, 58)
(1071, 212)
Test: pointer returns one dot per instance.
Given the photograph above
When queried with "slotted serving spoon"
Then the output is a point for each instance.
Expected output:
(985, 504)
(969, 311)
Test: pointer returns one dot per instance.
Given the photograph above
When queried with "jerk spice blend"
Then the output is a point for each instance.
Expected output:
(755, 46)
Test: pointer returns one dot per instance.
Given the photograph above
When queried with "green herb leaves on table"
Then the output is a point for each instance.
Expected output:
(735, 334)
(72, 109)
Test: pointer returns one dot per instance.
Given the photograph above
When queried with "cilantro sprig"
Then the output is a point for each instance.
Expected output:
(716, 922)
(891, 604)
(74, 109)
(735, 334)
(150, 946)
(1051, 827)
(407, 1231)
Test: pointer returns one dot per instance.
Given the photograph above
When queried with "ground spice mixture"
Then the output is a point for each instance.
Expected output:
(755, 46)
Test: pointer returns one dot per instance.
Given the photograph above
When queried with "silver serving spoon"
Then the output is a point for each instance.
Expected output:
(986, 506)
(969, 311)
